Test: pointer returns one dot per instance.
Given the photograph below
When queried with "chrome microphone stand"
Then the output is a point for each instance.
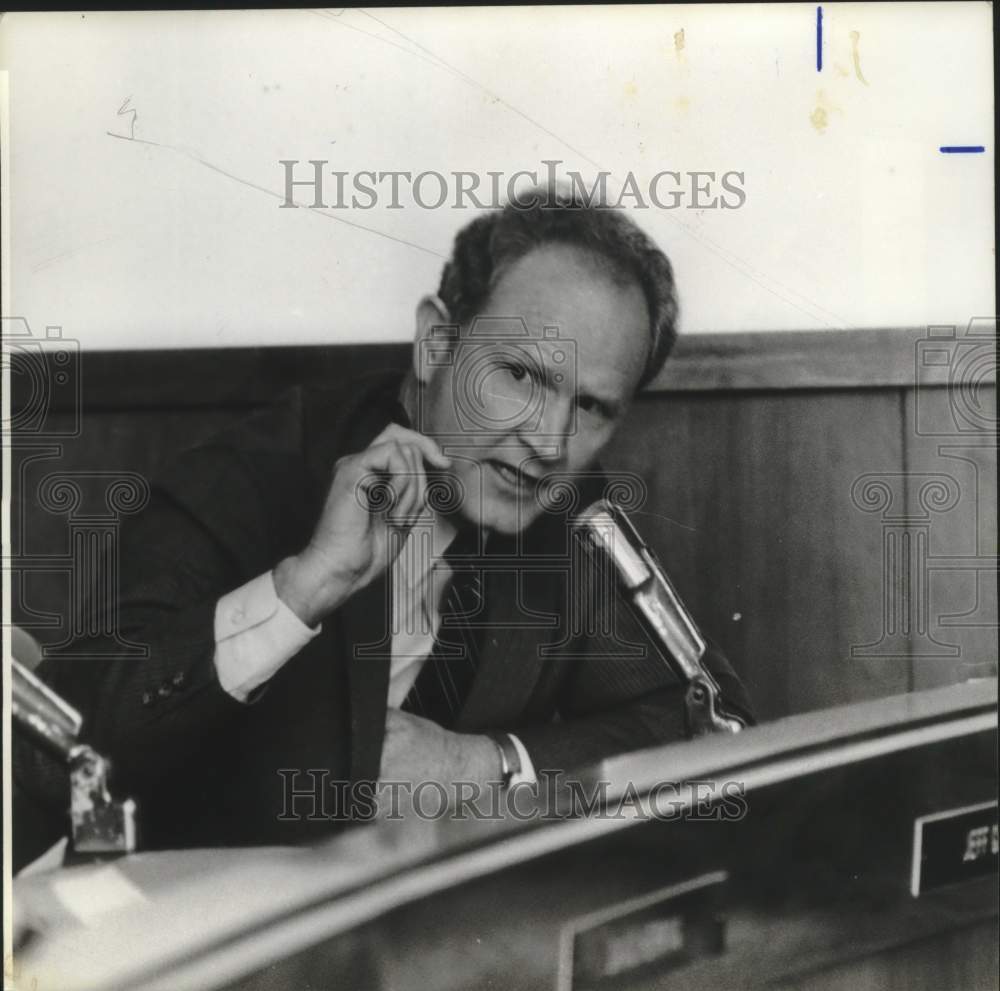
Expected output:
(99, 823)
(646, 584)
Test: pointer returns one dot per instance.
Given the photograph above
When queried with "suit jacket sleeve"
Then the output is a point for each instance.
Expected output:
(149, 693)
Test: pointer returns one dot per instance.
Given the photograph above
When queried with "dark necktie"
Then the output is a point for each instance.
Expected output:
(444, 682)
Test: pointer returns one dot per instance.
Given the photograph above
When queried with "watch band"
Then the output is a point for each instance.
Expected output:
(510, 761)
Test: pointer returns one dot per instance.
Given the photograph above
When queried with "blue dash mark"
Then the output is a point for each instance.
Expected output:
(819, 39)
(962, 149)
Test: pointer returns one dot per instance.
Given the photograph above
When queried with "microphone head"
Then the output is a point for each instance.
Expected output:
(610, 530)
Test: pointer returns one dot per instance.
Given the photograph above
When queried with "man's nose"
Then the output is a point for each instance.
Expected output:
(555, 423)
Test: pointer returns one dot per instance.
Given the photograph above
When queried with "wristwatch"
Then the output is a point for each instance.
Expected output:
(510, 761)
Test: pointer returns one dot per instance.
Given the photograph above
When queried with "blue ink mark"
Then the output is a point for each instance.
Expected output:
(962, 149)
(819, 39)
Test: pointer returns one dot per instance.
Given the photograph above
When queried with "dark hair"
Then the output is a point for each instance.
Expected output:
(487, 246)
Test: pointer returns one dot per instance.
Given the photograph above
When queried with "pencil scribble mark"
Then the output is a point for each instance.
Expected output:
(668, 519)
(768, 283)
(124, 110)
(855, 38)
(475, 83)
(195, 157)
(326, 15)
(69, 252)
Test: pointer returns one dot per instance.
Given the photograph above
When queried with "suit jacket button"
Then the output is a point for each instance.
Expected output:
(147, 698)
(164, 690)
(178, 679)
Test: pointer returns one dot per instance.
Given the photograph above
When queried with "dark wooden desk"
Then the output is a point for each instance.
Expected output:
(811, 888)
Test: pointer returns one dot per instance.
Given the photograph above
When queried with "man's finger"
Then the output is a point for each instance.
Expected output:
(405, 485)
(427, 445)
(419, 487)
(384, 470)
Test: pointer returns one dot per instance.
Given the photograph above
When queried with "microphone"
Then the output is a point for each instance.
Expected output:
(99, 823)
(642, 578)
(42, 714)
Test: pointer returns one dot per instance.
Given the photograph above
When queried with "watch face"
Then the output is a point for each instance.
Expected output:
(511, 757)
(510, 763)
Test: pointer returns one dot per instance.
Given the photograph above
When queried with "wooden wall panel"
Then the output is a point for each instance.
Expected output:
(951, 498)
(750, 510)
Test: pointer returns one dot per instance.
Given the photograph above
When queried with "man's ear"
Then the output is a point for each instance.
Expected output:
(431, 313)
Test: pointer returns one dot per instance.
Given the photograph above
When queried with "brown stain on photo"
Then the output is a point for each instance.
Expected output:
(856, 56)
(679, 41)
(820, 117)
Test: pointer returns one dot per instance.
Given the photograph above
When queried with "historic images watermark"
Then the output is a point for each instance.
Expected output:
(44, 371)
(312, 795)
(326, 188)
(939, 561)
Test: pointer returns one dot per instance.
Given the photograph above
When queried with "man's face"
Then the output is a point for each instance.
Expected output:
(537, 384)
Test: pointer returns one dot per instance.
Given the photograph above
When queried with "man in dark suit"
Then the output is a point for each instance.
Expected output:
(308, 616)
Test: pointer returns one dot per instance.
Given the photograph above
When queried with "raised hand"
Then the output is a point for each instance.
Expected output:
(372, 492)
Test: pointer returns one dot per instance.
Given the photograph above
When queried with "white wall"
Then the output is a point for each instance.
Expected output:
(862, 222)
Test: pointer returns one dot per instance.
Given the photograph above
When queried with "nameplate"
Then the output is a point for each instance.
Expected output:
(954, 846)
(655, 932)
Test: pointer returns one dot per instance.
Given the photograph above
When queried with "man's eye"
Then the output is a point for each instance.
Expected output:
(516, 370)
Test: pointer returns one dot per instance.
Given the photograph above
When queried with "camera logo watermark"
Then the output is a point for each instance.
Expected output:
(938, 531)
(44, 374)
(501, 379)
(44, 371)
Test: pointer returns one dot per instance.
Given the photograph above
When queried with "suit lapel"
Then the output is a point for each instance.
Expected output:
(366, 646)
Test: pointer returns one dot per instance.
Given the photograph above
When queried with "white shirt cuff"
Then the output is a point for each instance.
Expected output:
(256, 634)
(526, 776)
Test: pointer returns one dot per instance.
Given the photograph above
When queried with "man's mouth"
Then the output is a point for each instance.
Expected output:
(512, 477)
